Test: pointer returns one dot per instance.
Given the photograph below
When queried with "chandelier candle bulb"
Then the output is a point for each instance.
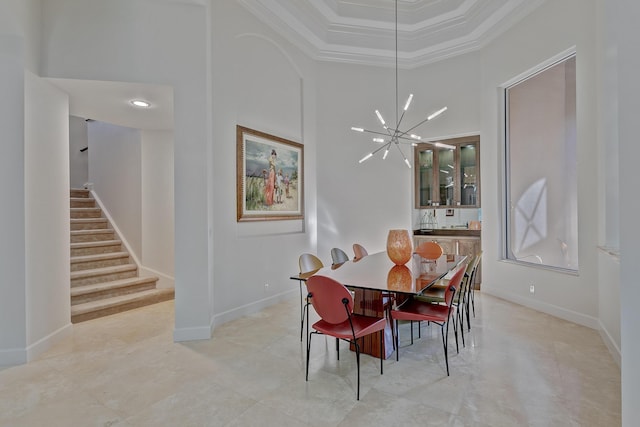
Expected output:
(437, 113)
(365, 157)
(406, 106)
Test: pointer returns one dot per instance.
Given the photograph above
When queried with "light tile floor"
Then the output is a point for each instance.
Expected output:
(519, 367)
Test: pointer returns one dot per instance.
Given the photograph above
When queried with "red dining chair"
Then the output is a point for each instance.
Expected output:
(429, 250)
(334, 304)
(437, 294)
(440, 314)
(472, 288)
(308, 263)
(359, 252)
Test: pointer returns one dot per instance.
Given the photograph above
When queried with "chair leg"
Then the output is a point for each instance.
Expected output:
(468, 317)
(308, 350)
(303, 308)
(445, 342)
(358, 365)
(338, 348)
(381, 349)
(396, 339)
(308, 346)
(473, 302)
(460, 323)
(411, 323)
(455, 332)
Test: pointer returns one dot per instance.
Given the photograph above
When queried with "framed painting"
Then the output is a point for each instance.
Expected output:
(269, 177)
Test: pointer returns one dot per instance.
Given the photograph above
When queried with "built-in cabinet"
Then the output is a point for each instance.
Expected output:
(459, 245)
(447, 173)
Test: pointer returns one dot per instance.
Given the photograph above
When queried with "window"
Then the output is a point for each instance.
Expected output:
(541, 208)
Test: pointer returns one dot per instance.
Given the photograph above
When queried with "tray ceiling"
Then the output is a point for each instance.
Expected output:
(363, 31)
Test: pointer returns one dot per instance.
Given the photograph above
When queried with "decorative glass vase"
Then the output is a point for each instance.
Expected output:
(399, 247)
(399, 278)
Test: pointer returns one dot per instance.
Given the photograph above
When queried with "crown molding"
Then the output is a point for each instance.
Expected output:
(428, 30)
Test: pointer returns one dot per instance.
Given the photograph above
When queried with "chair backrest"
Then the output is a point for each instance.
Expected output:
(429, 250)
(474, 269)
(359, 252)
(468, 273)
(327, 297)
(454, 283)
(338, 256)
(309, 262)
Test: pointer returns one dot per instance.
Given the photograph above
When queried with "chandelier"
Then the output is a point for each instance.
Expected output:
(393, 135)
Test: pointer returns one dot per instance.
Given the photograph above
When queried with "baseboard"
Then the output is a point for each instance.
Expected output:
(204, 332)
(39, 347)
(192, 334)
(611, 344)
(553, 310)
(251, 308)
(13, 357)
(20, 356)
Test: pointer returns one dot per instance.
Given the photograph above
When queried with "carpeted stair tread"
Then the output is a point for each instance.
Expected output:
(94, 309)
(103, 271)
(94, 231)
(80, 245)
(115, 284)
(88, 220)
(98, 257)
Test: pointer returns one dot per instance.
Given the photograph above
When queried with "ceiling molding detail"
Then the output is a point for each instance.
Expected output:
(363, 31)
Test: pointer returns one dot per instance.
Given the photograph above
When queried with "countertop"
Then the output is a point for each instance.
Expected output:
(447, 232)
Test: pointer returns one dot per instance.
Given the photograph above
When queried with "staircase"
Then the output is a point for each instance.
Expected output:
(104, 279)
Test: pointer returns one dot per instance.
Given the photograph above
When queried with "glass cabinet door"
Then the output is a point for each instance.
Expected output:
(468, 180)
(447, 173)
(446, 176)
(424, 183)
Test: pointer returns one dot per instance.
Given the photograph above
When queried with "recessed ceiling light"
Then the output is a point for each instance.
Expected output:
(140, 103)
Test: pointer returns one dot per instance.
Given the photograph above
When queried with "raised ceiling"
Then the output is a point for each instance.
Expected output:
(355, 31)
(363, 31)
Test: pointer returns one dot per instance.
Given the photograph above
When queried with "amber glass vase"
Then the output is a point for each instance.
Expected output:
(399, 247)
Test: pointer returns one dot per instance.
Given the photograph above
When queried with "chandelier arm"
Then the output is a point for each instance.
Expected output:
(400, 121)
(409, 130)
(381, 147)
(377, 132)
(406, 161)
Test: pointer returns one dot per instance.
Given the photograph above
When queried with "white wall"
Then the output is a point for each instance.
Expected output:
(115, 157)
(566, 24)
(259, 81)
(361, 202)
(12, 215)
(33, 272)
(78, 160)
(170, 48)
(157, 215)
(46, 147)
(624, 19)
(609, 182)
(23, 18)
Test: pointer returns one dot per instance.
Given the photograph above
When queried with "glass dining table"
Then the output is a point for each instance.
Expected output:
(374, 279)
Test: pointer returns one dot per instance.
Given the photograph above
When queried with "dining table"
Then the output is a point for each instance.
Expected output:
(377, 283)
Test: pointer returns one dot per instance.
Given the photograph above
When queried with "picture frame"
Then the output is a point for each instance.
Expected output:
(269, 177)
